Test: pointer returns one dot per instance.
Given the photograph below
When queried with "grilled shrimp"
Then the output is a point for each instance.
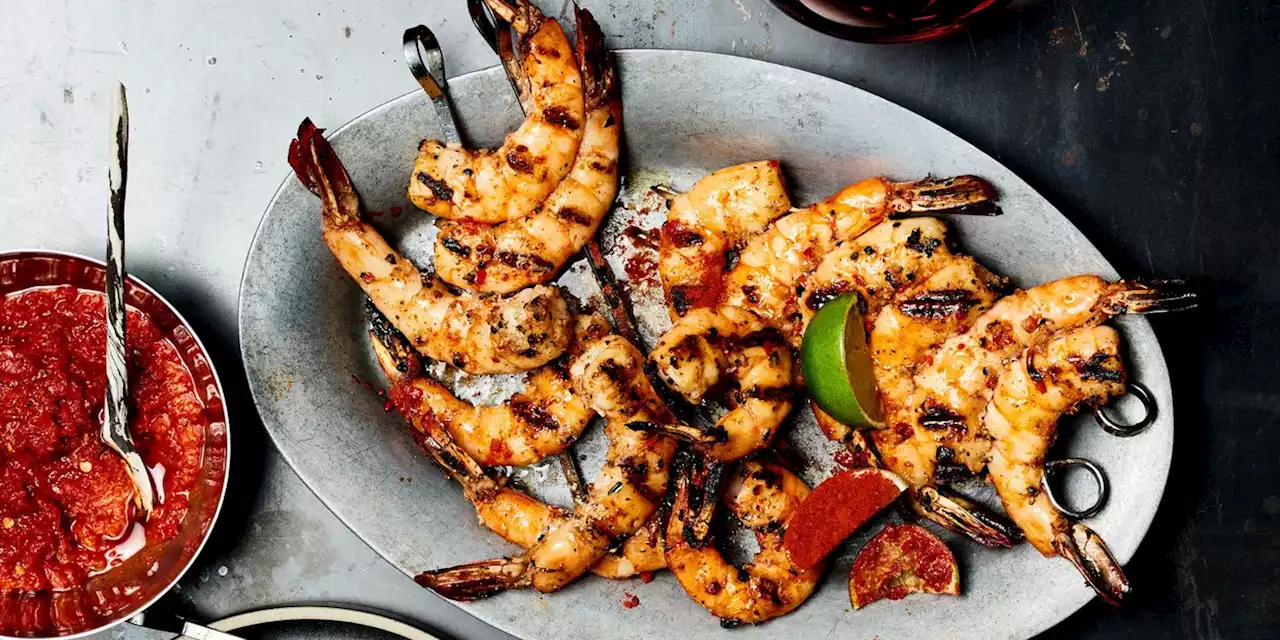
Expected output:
(530, 250)
(513, 514)
(1057, 376)
(626, 494)
(729, 347)
(473, 333)
(773, 262)
(707, 225)
(541, 421)
(763, 497)
(877, 265)
(914, 292)
(493, 185)
(941, 421)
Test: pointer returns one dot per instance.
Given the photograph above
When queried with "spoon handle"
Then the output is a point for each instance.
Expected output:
(115, 428)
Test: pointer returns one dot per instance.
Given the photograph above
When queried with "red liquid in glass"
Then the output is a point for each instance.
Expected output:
(896, 13)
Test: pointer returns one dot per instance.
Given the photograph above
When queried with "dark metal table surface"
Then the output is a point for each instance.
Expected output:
(1153, 125)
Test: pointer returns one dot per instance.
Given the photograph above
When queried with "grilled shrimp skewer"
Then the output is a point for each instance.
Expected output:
(767, 278)
(475, 334)
(761, 288)
(710, 348)
(709, 223)
(494, 185)
(531, 249)
(623, 498)
(541, 421)
(513, 514)
(763, 497)
(942, 418)
(915, 292)
(773, 262)
(1074, 369)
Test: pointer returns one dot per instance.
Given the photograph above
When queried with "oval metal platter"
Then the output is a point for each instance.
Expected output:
(303, 338)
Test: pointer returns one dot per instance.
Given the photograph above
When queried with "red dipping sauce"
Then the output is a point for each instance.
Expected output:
(66, 503)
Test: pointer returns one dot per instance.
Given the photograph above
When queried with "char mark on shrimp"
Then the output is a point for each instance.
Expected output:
(937, 305)
(439, 188)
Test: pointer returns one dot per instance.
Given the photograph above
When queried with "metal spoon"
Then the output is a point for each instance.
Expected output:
(115, 428)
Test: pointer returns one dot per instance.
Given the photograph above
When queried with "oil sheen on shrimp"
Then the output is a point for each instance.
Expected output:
(473, 333)
(513, 514)
(707, 226)
(622, 499)
(1054, 377)
(763, 497)
(530, 250)
(512, 181)
(729, 349)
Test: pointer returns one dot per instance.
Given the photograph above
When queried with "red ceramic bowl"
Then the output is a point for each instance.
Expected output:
(118, 594)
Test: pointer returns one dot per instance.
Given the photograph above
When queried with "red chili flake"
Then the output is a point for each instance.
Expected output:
(481, 276)
(377, 214)
(646, 577)
(629, 601)
(366, 277)
(846, 459)
(642, 271)
(395, 212)
(387, 405)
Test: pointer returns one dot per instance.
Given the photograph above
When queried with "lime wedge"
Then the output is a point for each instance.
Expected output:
(837, 365)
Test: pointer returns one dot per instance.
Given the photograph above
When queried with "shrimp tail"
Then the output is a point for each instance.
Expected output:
(400, 363)
(966, 517)
(961, 195)
(1086, 550)
(1151, 296)
(477, 580)
(520, 13)
(697, 492)
(600, 82)
(320, 171)
(396, 356)
(683, 432)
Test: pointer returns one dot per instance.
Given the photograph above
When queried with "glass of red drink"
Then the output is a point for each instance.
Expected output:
(887, 21)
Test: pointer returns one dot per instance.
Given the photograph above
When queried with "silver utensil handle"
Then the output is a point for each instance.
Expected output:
(115, 430)
(201, 632)
(118, 175)
(169, 623)
(426, 62)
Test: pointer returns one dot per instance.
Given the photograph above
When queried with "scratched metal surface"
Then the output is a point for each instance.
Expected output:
(1161, 149)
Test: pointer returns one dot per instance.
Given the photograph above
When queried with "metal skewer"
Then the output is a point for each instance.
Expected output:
(426, 62)
(115, 428)
(497, 32)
